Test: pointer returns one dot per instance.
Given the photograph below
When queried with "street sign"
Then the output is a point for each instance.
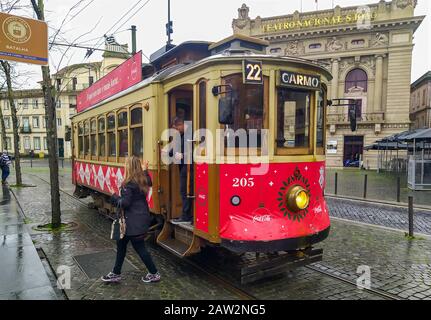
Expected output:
(23, 39)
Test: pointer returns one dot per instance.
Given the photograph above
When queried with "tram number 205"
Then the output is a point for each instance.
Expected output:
(243, 182)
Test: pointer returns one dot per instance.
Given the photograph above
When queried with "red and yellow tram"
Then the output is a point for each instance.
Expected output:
(269, 198)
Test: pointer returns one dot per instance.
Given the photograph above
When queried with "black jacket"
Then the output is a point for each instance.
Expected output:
(136, 211)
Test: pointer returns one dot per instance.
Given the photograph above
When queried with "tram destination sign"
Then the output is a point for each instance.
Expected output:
(299, 80)
(124, 76)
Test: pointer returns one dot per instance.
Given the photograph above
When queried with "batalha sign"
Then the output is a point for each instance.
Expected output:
(124, 76)
(23, 39)
(299, 80)
(319, 22)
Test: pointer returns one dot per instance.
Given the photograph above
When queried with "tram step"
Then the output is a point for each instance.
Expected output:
(175, 246)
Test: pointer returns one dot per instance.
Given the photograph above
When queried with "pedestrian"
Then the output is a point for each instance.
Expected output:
(4, 164)
(185, 166)
(133, 200)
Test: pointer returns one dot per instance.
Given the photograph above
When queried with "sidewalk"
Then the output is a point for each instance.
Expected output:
(22, 274)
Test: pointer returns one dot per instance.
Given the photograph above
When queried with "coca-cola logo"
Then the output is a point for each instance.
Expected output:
(264, 218)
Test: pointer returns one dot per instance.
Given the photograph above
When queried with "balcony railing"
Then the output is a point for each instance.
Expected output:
(365, 118)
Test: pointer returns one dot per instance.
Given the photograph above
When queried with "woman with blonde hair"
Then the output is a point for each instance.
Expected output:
(133, 200)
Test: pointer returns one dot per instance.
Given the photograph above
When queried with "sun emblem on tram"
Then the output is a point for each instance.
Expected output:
(294, 196)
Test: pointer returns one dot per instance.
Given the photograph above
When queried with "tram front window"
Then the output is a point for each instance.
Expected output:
(249, 111)
(293, 119)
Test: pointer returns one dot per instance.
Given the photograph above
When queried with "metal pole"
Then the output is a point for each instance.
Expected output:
(336, 182)
(398, 189)
(169, 22)
(133, 39)
(411, 229)
(365, 186)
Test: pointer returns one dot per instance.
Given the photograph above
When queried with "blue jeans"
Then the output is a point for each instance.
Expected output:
(138, 244)
(5, 171)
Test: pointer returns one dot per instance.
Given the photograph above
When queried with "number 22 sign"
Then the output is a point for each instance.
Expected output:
(252, 72)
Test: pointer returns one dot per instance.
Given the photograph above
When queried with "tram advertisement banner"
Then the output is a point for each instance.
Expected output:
(124, 76)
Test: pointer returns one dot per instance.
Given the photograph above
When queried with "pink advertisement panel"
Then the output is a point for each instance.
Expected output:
(253, 207)
(124, 76)
(106, 179)
(201, 179)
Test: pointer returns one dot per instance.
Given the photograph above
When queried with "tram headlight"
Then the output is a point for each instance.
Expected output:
(235, 200)
(297, 199)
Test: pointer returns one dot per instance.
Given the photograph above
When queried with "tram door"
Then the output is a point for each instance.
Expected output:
(180, 105)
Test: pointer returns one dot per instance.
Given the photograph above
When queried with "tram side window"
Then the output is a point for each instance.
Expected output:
(123, 139)
(293, 118)
(86, 138)
(81, 140)
(249, 112)
(202, 105)
(112, 152)
(93, 140)
(136, 132)
(320, 125)
(101, 130)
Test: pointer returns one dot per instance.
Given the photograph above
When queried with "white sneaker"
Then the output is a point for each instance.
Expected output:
(151, 278)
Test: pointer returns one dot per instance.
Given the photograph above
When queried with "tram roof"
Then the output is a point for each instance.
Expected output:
(226, 56)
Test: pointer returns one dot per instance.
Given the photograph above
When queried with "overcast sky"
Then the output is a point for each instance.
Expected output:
(193, 20)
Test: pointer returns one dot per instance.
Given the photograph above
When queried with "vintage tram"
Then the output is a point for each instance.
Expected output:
(276, 205)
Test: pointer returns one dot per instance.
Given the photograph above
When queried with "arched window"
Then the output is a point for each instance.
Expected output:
(356, 78)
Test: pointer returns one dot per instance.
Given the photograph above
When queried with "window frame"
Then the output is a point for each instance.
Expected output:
(81, 139)
(122, 159)
(265, 123)
(99, 157)
(322, 150)
(93, 133)
(298, 151)
(108, 131)
(135, 126)
(355, 82)
(87, 135)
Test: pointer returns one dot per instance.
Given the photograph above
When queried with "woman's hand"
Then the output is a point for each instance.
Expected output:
(145, 165)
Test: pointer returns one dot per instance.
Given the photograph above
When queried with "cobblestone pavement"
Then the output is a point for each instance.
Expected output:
(379, 214)
(398, 266)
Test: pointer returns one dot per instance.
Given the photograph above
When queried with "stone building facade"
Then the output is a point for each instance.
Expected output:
(368, 50)
(420, 108)
(69, 81)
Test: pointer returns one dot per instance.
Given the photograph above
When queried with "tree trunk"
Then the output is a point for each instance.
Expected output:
(3, 132)
(51, 132)
(6, 69)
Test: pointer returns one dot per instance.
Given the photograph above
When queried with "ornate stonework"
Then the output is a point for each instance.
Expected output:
(294, 48)
(335, 45)
(243, 17)
(402, 4)
(380, 39)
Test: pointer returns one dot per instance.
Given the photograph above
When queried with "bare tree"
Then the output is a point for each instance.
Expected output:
(10, 97)
(2, 123)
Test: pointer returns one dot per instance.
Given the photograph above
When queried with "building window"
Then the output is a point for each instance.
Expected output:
(35, 122)
(74, 83)
(90, 80)
(25, 104)
(315, 46)
(58, 104)
(101, 141)
(123, 139)
(27, 144)
(26, 123)
(7, 123)
(8, 143)
(36, 143)
(356, 78)
(136, 131)
(44, 122)
(35, 104)
(358, 42)
(112, 151)
(275, 50)
(6, 105)
(45, 143)
(293, 119)
(59, 122)
(58, 82)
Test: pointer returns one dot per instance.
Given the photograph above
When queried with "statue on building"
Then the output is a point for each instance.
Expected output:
(243, 18)
(335, 44)
(380, 40)
(293, 49)
(402, 4)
